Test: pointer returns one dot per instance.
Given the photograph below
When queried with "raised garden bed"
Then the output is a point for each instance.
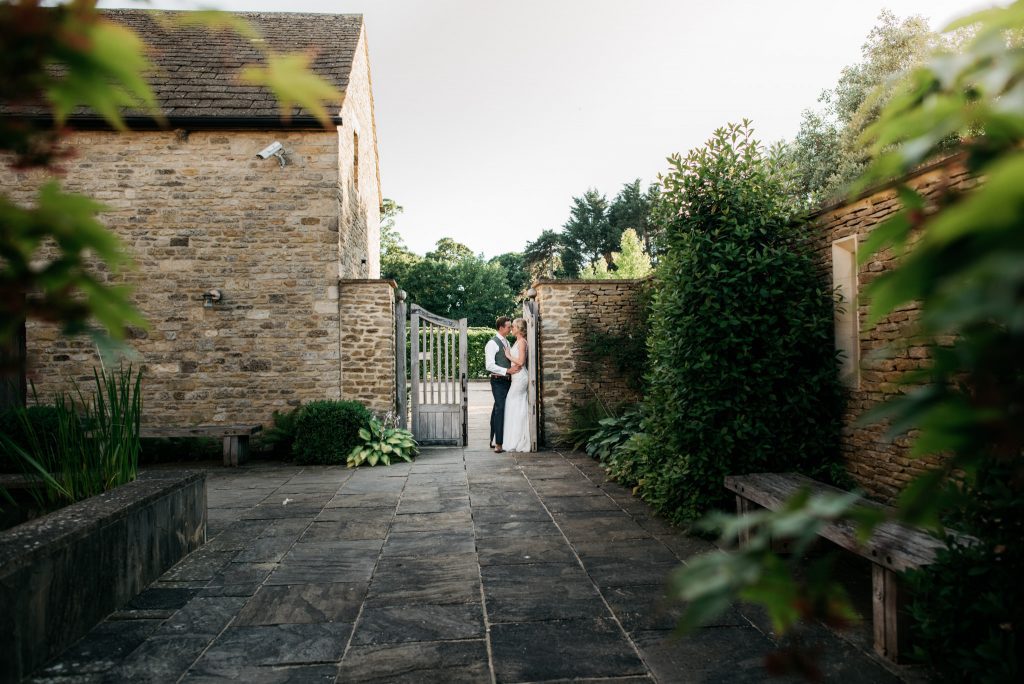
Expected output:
(62, 573)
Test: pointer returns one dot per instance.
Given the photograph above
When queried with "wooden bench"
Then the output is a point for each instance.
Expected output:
(236, 437)
(892, 549)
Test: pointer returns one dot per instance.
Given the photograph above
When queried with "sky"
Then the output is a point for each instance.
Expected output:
(492, 115)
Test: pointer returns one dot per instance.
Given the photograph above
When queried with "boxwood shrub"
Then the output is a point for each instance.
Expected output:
(327, 431)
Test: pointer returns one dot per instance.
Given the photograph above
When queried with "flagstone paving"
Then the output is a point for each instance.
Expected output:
(465, 566)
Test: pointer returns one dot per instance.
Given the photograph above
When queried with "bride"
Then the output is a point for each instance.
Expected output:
(517, 404)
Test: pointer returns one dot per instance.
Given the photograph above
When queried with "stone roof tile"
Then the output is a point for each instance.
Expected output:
(196, 71)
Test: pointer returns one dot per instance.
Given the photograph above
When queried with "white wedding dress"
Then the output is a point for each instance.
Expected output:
(517, 408)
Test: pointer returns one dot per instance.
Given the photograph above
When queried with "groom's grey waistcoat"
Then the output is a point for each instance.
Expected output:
(499, 358)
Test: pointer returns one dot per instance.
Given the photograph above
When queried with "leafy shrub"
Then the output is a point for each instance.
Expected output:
(613, 432)
(743, 374)
(43, 420)
(584, 420)
(281, 436)
(326, 431)
(967, 606)
(620, 446)
(382, 444)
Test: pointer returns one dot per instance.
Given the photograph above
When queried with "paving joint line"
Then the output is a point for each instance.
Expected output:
(480, 574)
(231, 622)
(369, 582)
(579, 561)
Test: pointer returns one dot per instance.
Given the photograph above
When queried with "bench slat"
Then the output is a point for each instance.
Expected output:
(892, 545)
(200, 431)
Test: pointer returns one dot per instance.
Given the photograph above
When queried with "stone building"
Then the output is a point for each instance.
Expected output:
(285, 240)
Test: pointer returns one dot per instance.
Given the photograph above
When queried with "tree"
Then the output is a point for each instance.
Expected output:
(631, 208)
(829, 150)
(630, 262)
(550, 256)
(450, 252)
(516, 273)
(470, 288)
(395, 257)
(588, 232)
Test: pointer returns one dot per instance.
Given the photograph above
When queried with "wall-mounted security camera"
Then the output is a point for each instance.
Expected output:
(274, 149)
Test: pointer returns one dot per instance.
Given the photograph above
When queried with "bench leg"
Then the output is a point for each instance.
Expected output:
(887, 609)
(236, 449)
(742, 508)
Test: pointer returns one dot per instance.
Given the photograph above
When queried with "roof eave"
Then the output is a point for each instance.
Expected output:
(194, 123)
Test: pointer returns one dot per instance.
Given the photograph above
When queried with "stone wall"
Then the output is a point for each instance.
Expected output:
(198, 211)
(368, 343)
(881, 466)
(62, 573)
(570, 312)
(359, 191)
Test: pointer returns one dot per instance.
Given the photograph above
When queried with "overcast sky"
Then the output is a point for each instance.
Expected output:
(492, 115)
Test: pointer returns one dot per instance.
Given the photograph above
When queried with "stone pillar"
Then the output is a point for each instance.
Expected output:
(367, 332)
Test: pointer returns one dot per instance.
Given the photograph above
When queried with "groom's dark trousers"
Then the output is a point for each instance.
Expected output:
(499, 390)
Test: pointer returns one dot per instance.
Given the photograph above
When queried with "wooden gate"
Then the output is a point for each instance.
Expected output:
(533, 361)
(438, 368)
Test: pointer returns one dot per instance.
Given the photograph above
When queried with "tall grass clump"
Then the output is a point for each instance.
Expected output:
(94, 445)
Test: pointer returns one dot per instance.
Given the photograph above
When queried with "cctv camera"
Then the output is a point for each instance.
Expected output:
(270, 150)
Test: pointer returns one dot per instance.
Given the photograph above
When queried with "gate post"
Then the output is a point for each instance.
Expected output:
(401, 398)
(533, 364)
(414, 365)
(464, 380)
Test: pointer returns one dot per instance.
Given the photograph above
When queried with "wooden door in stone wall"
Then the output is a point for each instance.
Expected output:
(438, 369)
(533, 361)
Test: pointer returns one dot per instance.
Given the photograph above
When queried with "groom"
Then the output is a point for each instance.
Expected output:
(501, 370)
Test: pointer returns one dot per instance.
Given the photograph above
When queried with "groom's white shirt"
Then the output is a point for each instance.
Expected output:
(491, 350)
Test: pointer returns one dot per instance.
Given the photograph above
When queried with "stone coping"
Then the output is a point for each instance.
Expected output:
(369, 281)
(22, 544)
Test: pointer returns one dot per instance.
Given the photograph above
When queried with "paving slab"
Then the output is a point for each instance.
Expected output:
(538, 651)
(388, 624)
(457, 662)
(465, 566)
(303, 603)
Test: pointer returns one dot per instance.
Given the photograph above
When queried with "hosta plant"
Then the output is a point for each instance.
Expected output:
(382, 444)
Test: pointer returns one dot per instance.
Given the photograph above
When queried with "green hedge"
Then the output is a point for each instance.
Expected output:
(476, 339)
(743, 373)
(327, 431)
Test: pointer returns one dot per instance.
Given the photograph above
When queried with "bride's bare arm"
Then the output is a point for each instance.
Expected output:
(517, 357)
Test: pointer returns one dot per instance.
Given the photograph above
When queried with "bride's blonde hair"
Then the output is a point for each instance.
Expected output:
(519, 326)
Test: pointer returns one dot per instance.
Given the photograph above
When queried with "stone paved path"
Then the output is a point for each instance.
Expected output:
(462, 567)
